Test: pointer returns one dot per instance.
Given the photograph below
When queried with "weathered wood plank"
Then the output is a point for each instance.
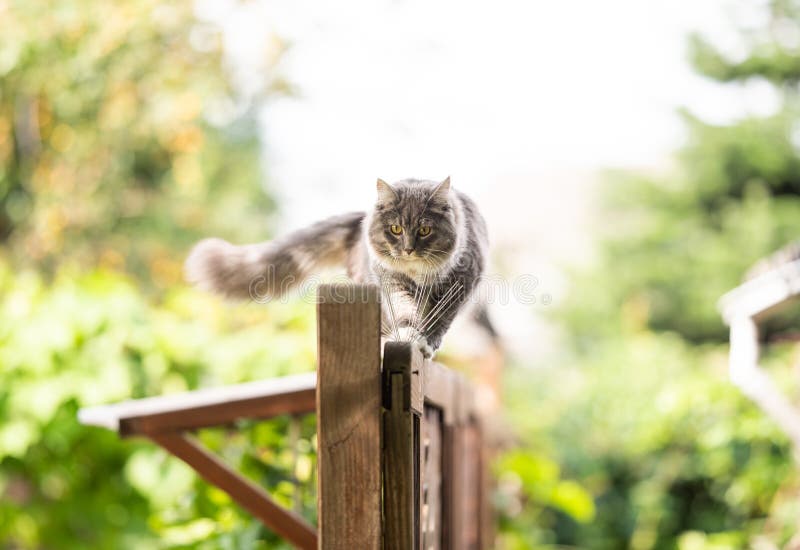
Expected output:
(439, 388)
(400, 429)
(764, 295)
(465, 400)
(207, 407)
(452, 491)
(462, 464)
(471, 505)
(349, 417)
(432, 479)
(288, 525)
(403, 401)
(405, 359)
(486, 490)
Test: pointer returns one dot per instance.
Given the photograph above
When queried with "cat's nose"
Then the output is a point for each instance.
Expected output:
(408, 251)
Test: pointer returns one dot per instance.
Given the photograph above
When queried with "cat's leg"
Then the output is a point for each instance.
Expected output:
(399, 312)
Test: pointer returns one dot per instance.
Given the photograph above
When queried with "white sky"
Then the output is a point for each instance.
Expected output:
(504, 95)
(521, 102)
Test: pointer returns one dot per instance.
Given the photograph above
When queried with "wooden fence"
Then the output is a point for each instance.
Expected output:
(401, 459)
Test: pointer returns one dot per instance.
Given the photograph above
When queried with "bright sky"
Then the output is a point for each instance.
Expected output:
(521, 102)
(503, 96)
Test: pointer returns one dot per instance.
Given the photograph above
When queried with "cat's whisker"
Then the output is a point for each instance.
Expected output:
(443, 301)
(422, 292)
(437, 316)
(436, 260)
(417, 299)
(419, 320)
(447, 299)
(427, 322)
(395, 320)
(424, 297)
(390, 308)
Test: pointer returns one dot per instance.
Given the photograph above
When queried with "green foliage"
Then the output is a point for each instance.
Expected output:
(676, 245)
(107, 152)
(771, 50)
(532, 492)
(637, 408)
(650, 426)
(91, 339)
(121, 143)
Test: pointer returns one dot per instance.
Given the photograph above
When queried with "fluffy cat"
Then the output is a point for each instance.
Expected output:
(423, 243)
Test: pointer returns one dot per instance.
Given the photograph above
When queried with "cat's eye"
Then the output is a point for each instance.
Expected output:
(425, 230)
(396, 229)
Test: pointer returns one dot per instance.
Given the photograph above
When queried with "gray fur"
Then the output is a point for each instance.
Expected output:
(268, 270)
(426, 278)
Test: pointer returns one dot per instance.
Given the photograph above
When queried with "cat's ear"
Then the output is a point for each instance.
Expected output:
(442, 190)
(385, 191)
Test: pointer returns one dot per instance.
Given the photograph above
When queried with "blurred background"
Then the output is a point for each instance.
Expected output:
(635, 157)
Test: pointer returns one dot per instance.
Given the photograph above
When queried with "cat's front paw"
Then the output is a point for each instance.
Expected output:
(425, 348)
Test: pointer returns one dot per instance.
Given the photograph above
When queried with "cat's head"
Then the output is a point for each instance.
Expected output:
(413, 227)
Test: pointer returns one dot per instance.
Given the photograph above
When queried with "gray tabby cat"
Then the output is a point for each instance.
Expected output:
(424, 243)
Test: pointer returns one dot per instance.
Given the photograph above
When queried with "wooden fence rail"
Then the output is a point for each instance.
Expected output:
(401, 459)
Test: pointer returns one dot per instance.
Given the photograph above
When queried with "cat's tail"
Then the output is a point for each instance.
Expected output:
(267, 270)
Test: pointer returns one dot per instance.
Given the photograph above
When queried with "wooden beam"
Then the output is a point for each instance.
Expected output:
(486, 490)
(755, 383)
(253, 498)
(471, 505)
(431, 516)
(762, 296)
(402, 476)
(349, 417)
(208, 407)
(440, 389)
(450, 391)
(453, 491)
(404, 359)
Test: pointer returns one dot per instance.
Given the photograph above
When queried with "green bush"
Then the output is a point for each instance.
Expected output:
(92, 338)
(637, 407)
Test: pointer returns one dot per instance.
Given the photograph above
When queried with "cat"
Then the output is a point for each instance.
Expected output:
(424, 243)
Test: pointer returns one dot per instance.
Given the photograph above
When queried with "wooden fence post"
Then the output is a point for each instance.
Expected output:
(401, 461)
(349, 417)
(402, 476)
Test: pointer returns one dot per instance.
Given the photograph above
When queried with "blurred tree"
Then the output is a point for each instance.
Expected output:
(121, 142)
(639, 410)
(108, 152)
